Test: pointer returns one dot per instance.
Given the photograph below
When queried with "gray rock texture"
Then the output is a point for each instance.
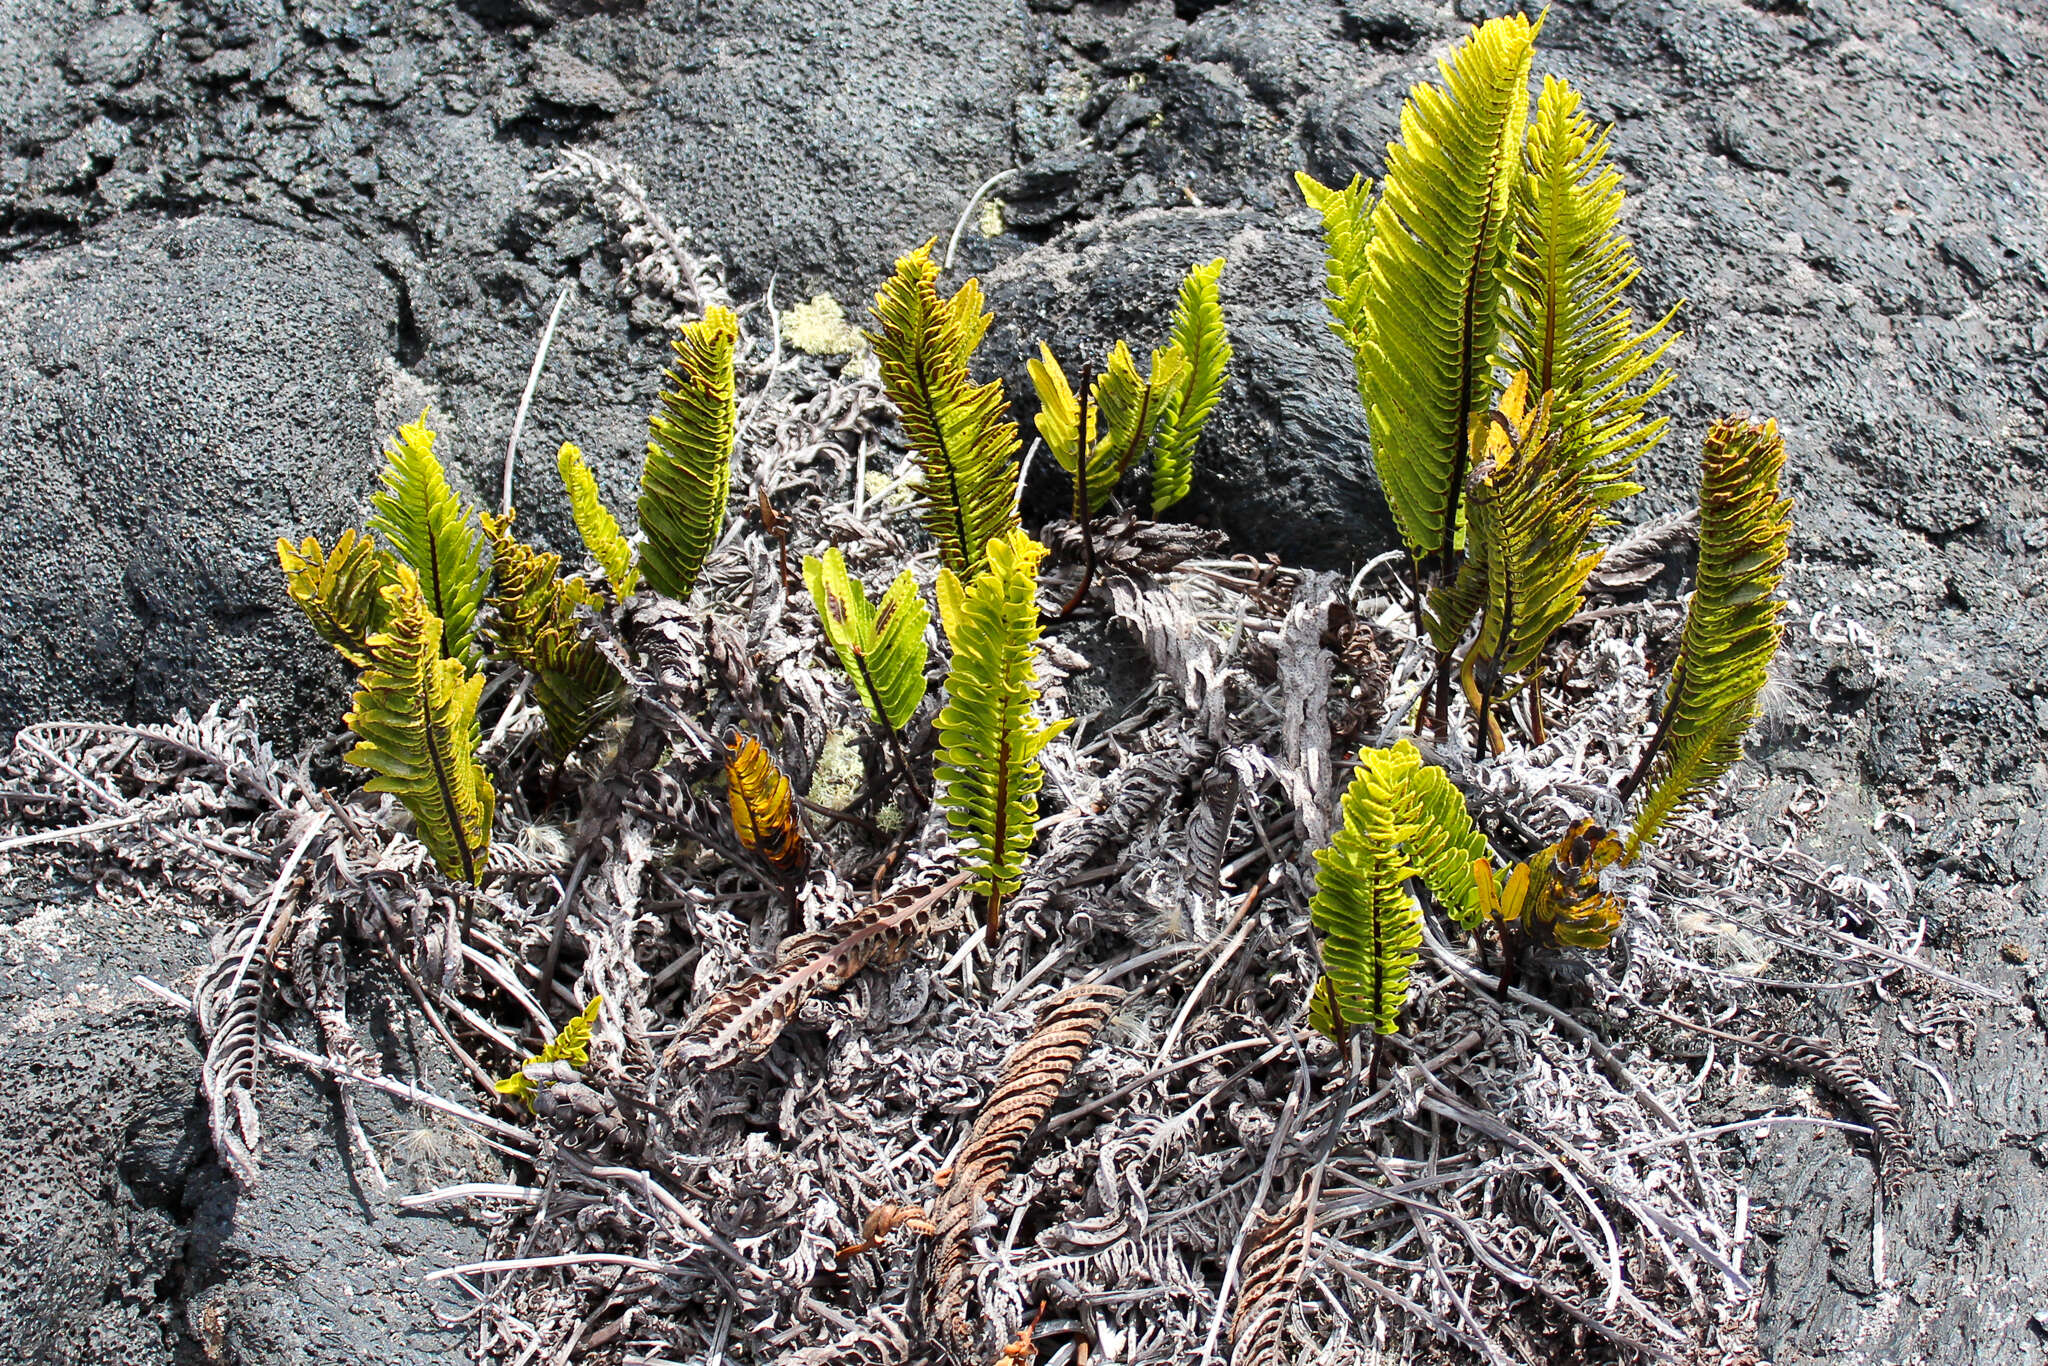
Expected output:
(241, 237)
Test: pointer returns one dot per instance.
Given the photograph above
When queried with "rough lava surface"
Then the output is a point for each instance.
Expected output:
(241, 238)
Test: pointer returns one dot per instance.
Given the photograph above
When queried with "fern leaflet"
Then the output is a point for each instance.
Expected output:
(595, 523)
(429, 529)
(535, 624)
(341, 591)
(763, 811)
(880, 645)
(571, 1045)
(687, 479)
(1204, 342)
(1124, 416)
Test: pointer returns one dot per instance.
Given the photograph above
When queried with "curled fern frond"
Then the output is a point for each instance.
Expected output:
(763, 812)
(965, 442)
(989, 732)
(1732, 624)
(415, 720)
(881, 645)
(535, 623)
(1199, 333)
(341, 591)
(687, 479)
(1402, 819)
(1556, 896)
(595, 523)
(430, 529)
(571, 1045)
(1567, 324)
(1432, 291)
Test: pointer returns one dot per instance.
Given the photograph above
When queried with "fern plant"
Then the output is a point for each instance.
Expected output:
(1203, 340)
(1732, 624)
(571, 1045)
(415, 721)
(880, 645)
(1124, 414)
(965, 441)
(687, 480)
(535, 623)
(989, 733)
(763, 808)
(595, 523)
(431, 530)
(1556, 898)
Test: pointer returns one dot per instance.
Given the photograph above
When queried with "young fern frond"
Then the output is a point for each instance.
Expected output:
(429, 528)
(1402, 819)
(1204, 341)
(534, 623)
(1126, 415)
(415, 720)
(1567, 325)
(989, 732)
(1732, 624)
(341, 591)
(880, 645)
(763, 812)
(1432, 290)
(595, 523)
(1347, 229)
(687, 479)
(571, 1045)
(965, 441)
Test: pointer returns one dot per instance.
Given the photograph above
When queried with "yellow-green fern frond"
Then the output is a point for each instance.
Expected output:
(1204, 341)
(415, 720)
(989, 731)
(341, 591)
(688, 476)
(1432, 293)
(1347, 228)
(571, 1046)
(1567, 324)
(965, 442)
(1402, 819)
(430, 529)
(1134, 412)
(762, 806)
(1731, 626)
(595, 523)
(881, 646)
(535, 624)
(1529, 514)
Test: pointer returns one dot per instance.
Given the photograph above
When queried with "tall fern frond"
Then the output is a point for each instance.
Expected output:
(989, 731)
(1199, 332)
(1732, 624)
(1347, 229)
(535, 623)
(430, 529)
(881, 645)
(687, 479)
(763, 810)
(341, 591)
(1529, 514)
(965, 441)
(1432, 292)
(595, 523)
(415, 721)
(1402, 819)
(1567, 324)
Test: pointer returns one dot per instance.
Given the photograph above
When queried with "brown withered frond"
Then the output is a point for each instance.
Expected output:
(883, 1220)
(1033, 1077)
(1843, 1073)
(1273, 1259)
(763, 814)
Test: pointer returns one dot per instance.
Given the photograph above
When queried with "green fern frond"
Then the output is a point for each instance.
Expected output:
(415, 720)
(430, 529)
(1432, 292)
(1567, 324)
(571, 1046)
(1529, 515)
(989, 731)
(687, 479)
(1347, 229)
(1199, 332)
(535, 624)
(1125, 415)
(341, 591)
(595, 523)
(881, 646)
(1402, 819)
(965, 442)
(1732, 625)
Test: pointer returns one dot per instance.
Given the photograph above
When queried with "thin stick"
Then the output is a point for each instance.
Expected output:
(540, 359)
(953, 242)
(535, 1263)
(256, 940)
(560, 923)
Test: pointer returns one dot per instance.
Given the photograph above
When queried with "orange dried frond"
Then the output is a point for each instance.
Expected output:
(762, 808)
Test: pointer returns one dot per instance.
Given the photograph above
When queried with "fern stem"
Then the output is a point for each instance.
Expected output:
(1083, 431)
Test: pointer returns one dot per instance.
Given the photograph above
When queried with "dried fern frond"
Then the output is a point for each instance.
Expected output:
(1033, 1076)
(880, 645)
(763, 814)
(595, 523)
(571, 1045)
(430, 529)
(536, 624)
(1732, 624)
(341, 591)
(965, 442)
(1202, 338)
(1402, 819)
(687, 479)
(989, 731)
(1274, 1255)
(415, 718)
(1567, 324)
(1432, 292)
(1843, 1073)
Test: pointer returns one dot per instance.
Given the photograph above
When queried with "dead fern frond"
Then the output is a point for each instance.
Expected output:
(1274, 1255)
(1843, 1073)
(763, 815)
